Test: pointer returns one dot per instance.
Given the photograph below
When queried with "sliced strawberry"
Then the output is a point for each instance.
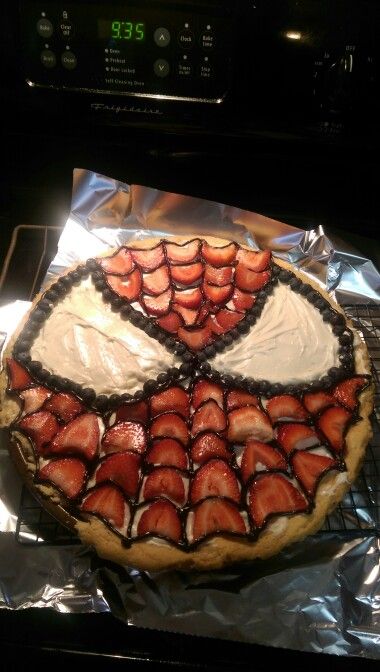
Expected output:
(125, 436)
(157, 281)
(219, 256)
(255, 261)
(170, 425)
(165, 482)
(120, 263)
(40, 427)
(34, 398)
(195, 339)
(238, 398)
(174, 399)
(108, 502)
(218, 276)
(260, 456)
(333, 423)
(216, 478)
(126, 286)
(316, 401)
(216, 515)
(250, 281)
(214, 325)
(208, 417)
(285, 407)
(242, 300)
(186, 274)
(346, 392)
(209, 445)
(64, 405)
(123, 469)
(171, 322)
(309, 468)
(273, 494)
(68, 474)
(189, 316)
(81, 435)
(161, 518)
(136, 412)
(149, 260)
(157, 305)
(205, 390)
(292, 436)
(249, 422)
(168, 453)
(228, 319)
(18, 376)
(183, 254)
(188, 298)
(217, 295)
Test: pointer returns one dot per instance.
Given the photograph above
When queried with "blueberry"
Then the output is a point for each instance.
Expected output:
(170, 344)
(173, 372)
(23, 345)
(124, 397)
(325, 382)
(150, 329)
(295, 284)
(35, 366)
(254, 311)
(38, 315)
(92, 264)
(114, 400)
(201, 357)
(345, 338)
(162, 378)
(219, 345)
(180, 348)
(107, 295)
(205, 367)
(67, 281)
(150, 386)
(276, 270)
(334, 372)
(240, 380)
(76, 277)
(101, 402)
(243, 326)
(234, 333)
(188, 356)
(88, 395)
(227, 379)
(23, 357)
(125, 311)
(338, 329)
(227, 339)
(185, 368)
(43, 374)
(51, 295)
(251, 319)
(64, 384)
(283, 275)
(276, 389)
(116, 303)
(138, 395)
(210, 351)
(60, 288)
(97, 275)
(305, 289)
(161, 336)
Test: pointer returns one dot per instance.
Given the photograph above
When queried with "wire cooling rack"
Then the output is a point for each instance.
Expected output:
(359, 512)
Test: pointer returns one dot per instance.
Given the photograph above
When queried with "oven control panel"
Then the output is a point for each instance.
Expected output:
(162, 50)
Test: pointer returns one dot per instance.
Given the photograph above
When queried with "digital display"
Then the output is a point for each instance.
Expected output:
(122, 30)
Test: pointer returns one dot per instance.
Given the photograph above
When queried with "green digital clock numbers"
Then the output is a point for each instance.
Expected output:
(127, 30)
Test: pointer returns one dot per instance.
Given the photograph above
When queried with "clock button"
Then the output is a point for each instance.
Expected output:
(186, 39)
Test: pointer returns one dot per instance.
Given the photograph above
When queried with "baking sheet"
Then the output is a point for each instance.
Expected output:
(319, 595)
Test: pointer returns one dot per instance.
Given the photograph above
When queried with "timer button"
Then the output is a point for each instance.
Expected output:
(161, 37)
(69, 60)
(186, 39)
(44, 28)
(161, 67)
(48, 58)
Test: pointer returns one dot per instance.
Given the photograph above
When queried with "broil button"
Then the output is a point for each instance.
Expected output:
(48, 58)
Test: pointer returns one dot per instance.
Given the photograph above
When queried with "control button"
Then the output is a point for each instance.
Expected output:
(207, 40)
(184, 69)
(67, 29)
(161, 67)
(48, 58)
(161, 37)
(205, 69)
(69, 60)
(44, 28)
(186, 39)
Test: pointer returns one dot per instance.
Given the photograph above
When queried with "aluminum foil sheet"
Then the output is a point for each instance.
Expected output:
(321, 595)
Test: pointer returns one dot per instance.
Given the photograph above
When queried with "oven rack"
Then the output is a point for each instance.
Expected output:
(358, 513)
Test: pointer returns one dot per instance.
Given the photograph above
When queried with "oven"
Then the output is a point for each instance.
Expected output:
(265, 105)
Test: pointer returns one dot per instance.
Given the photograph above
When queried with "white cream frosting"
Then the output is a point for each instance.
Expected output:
(289, 344)
(87, 342)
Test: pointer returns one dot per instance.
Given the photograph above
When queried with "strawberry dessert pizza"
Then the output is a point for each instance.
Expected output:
(187, 403)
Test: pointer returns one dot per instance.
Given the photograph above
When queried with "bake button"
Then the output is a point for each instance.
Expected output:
(48, 58)
(186, 39)
(69, 60)
(44, 28)
(161, 37)
(161, 67)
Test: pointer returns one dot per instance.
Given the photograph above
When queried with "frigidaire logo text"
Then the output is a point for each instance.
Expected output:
(117, 109)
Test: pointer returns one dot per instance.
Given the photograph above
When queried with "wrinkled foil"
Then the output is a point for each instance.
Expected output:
(319, 595)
